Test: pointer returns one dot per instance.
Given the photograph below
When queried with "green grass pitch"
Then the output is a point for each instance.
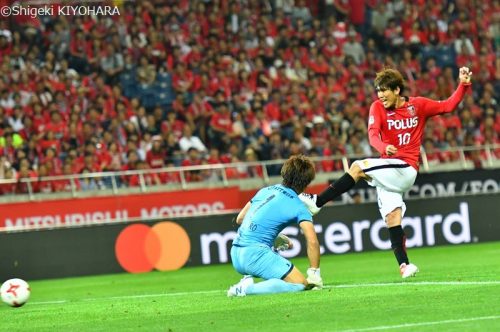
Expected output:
(457, 289)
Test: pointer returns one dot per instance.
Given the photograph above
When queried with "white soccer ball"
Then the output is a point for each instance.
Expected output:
(15, 292)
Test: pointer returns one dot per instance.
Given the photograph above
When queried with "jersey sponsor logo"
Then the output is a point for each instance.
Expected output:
(411, 110)
(371, 120)
(402, 123)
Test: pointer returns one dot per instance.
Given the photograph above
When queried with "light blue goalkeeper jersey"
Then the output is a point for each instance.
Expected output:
(272, 209)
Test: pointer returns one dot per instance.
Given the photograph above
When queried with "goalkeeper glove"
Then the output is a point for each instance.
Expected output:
(282, 242)
(314, 278)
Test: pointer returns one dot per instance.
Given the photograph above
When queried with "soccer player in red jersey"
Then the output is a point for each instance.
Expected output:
(395, 128)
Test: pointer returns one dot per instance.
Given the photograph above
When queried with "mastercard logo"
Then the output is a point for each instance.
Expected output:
(141, 248)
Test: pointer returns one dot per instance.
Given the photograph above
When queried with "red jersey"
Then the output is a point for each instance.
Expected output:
(404, 127)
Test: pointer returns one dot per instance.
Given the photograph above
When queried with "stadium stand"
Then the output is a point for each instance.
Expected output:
(253, 80)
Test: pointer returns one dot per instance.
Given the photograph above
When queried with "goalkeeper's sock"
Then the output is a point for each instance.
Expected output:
(398, 244)
(336, 189)
(273, 286)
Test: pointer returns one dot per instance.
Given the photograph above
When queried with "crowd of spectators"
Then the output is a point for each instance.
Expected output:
(181, 83)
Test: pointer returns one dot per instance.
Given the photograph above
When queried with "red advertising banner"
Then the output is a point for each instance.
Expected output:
(107, 209)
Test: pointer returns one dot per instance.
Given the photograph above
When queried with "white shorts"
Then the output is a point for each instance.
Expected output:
(392, 178)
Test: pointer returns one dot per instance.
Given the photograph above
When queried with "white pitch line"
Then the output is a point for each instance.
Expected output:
(418, 283)
(139, 296)
(156, 295)
(395, 284)
(49, 302)
(438, 322)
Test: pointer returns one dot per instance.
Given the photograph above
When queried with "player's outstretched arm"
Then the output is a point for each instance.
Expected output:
(313, 272)
(312, 243)
(464, 77)
(434, 107)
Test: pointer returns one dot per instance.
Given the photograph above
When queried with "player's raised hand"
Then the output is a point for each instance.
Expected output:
(464, 75)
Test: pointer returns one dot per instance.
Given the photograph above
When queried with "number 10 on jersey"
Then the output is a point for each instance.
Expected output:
(404, 138)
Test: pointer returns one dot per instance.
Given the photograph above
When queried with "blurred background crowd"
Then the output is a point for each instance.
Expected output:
(180, 83)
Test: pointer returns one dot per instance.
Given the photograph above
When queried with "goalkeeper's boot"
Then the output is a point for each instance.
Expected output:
(310, 201)
(408, 270)
(240, 288)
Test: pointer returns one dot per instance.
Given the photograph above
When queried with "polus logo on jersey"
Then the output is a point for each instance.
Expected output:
(402, 123)
(411, 110)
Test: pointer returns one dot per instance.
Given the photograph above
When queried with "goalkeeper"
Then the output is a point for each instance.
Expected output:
(262, 219)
